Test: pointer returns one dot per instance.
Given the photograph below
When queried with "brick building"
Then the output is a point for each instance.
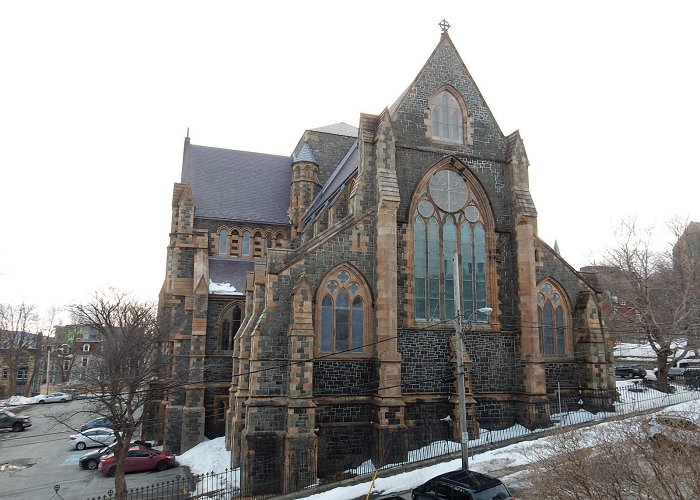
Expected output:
(311, 298)
(76, 347)
(20, 361)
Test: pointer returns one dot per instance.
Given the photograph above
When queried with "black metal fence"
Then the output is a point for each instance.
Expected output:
(298, 472)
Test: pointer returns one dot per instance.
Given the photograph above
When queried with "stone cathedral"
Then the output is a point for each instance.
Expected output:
(311, 299)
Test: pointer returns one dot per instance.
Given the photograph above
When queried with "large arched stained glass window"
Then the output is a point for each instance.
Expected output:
(448, 222)
(553, 318)
(343, 313)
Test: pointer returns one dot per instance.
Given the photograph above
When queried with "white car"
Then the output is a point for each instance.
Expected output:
(54, 397)
(99, 436)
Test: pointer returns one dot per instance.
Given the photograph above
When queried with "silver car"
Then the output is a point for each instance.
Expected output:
(99, 436)
(54, 397)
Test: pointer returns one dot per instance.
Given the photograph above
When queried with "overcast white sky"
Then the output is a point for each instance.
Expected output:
(96, 98)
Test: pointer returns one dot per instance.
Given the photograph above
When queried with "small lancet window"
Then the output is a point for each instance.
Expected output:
(229, 327)
(223, 242)
(446, 118)
(245, 245)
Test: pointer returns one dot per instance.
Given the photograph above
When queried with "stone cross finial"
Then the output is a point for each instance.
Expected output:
(444, 25)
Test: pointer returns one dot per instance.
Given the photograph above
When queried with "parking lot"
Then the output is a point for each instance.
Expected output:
(38, 464)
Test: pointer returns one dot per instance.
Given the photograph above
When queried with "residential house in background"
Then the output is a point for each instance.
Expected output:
(20, 359)
(74, 349)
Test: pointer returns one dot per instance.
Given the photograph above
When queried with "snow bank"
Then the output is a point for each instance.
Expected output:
(206, 457)
(16, 401)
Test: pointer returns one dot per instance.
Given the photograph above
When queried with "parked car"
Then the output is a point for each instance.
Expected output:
(676, 429)
(463, 484)
(90, 438)
(92, 458)
(53, 397)
(139, 458)
(681, 369)
(630, 371)
(11, 422)
(97, 422)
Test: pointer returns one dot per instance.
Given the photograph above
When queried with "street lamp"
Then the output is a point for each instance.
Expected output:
(460, 380)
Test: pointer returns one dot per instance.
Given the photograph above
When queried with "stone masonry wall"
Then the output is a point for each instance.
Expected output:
(425, 357)
(345, 377)
(344, 413)
(329, 150)
(554, 266)
(496, 365)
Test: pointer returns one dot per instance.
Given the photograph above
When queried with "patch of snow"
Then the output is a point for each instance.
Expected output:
(222, 289)
(208, 456)
(17, 401)
(514, 455)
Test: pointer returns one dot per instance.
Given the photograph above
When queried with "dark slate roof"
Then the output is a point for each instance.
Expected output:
(330, 191)
(511, 141)
(340, 128)
(524, 202)
(305, 154)
(233, 272)
(239, 185)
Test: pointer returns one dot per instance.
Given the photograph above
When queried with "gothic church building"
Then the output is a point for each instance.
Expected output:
(311, 298)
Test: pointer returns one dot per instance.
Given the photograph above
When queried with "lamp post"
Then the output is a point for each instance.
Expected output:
(460, 381)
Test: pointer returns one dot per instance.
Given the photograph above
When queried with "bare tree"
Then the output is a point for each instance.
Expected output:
(119, 374)
(624, 462)
(16, 340)
(64, 341)
(661, 290)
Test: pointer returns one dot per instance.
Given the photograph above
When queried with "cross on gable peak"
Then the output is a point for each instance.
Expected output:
(444, 26)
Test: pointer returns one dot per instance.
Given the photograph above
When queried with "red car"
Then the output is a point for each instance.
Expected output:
(139, 458)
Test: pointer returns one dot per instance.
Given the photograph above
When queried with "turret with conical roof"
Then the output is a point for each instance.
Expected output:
(305, 186)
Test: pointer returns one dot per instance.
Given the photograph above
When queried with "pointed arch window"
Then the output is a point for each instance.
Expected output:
(229, 326)
(343, 313)
(553, 321)
(448, 222)
(446, 118)
(223, 242)
(245, 244)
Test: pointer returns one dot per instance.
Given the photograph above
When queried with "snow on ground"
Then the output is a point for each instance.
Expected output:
(212, 456)
(16, 401)
(209, 456)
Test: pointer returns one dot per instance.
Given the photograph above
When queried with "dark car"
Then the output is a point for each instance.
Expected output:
(11, 422)
(630, 371)
(92, 459)
(462, 485)
(97, 422)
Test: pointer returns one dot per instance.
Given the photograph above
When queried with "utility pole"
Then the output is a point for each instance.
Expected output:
(48, 367)
(459, 352)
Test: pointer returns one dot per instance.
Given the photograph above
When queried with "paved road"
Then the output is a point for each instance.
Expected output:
(34, 462)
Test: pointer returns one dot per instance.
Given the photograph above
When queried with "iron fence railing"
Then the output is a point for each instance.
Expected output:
(411, 446)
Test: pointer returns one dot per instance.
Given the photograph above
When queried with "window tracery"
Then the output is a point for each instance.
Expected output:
(448, 222)
(553, 320)
(344, 312)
